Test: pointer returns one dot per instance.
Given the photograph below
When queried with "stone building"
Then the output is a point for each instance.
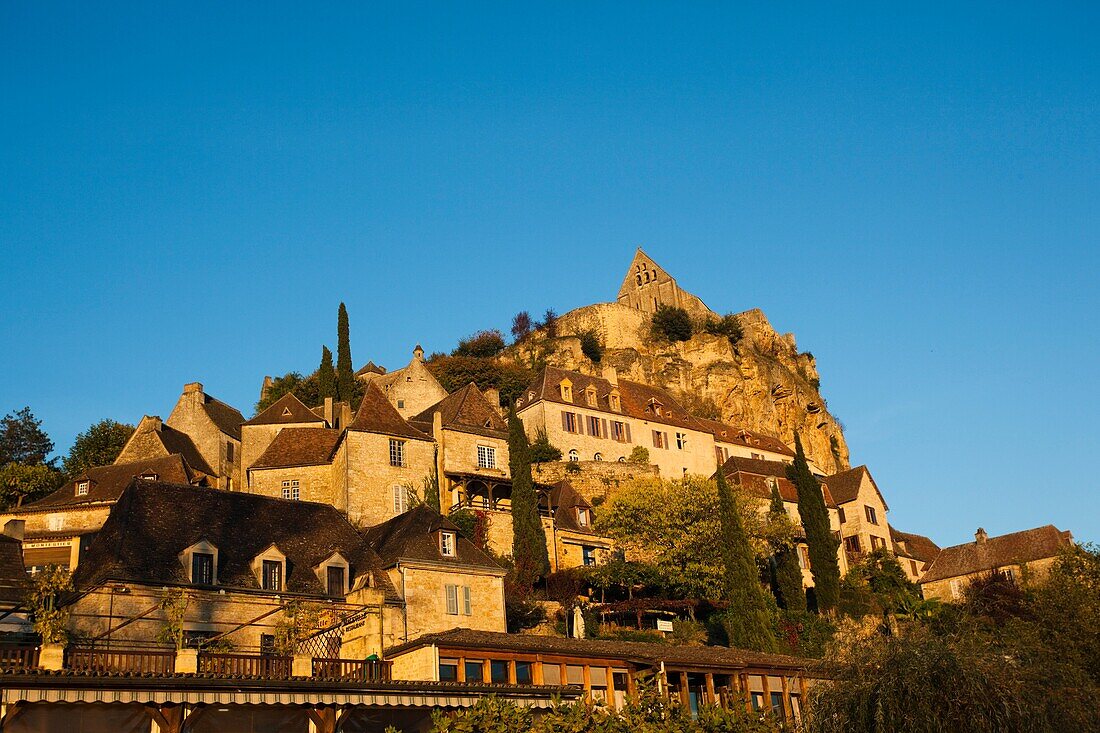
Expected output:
(215, 429)
(647, 286)
(730, 442)
(758, 477)
(915, 553)
(411, 389)
(153, 439)
(863, 509)
(1028, 553)
(573, 539)
(257, 434)
(13, 578)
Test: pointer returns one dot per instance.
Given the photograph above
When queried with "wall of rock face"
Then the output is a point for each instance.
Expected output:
(761, 383)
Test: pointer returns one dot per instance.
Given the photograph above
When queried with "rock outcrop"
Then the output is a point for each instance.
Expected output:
(761, 383)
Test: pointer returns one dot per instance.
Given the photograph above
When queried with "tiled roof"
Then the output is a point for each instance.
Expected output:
(632, 651)
(565, 500)
(286, 410)
(370, 368)
(466, 410)
(915, 546)
(13, 575)
(228, 418)
(637, 400)
(724, 433)
(106, 483)
(152, 523)
(845, 484)
(177, 441)
(300, 447)
(752, 475)
(996, 552)
(412, 536)
(377, 415)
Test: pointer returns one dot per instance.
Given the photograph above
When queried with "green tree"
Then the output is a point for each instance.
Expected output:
(22, 439)
(46, 601)
(304, 388)
(728, 326)
(455, 372)
(99, 445)
(345, 373)
(819, 536)
(748, 621)
(785, 568)
(326, 376)
(532, 561)
(591, 345)
(542, 450)
(521, 326)
(482, 345)
(431, 488)
(672, 324)
(22, 484)
(639, 454)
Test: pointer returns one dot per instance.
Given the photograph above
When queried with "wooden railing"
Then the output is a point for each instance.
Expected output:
(135, 661)
(246, 665)
(353, 669)
(18, 658)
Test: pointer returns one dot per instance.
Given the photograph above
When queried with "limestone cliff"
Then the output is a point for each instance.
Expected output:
(761, 383)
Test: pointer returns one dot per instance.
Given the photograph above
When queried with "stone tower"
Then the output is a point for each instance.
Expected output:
(647, 286)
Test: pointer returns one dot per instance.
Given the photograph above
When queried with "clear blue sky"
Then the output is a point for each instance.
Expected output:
(187, 193)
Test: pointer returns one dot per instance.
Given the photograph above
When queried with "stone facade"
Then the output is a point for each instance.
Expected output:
(314, 483)
(256, 438)
(596, 481)
(411, 389)
(952, 589)
(424, 588)
(368, 479)
(647, 286)
(218, 444)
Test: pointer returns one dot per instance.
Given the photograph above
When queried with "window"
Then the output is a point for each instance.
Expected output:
(804, 557)
(475, 670)
(851, 544)
(272, 575)
(397, 453)
(590, 396)
(569, 422)
(757, 456)
(596, 427)
(498, 671)
(458, 600)
(447, 544)
(660, 440)
(872, 516)
(573, 455)
(877, 542)
(613, 401)
(589, 555)
(913, 565)
(620, 431)
(228, 452)
(82, 488)
(148, 477)
(955, 589)
(401, 404)
(202, 568)
(778, 710)
(566, 390)
(486, 456)
(448, 670)
(597, 457)
(523, 673)
(840, 510)
(721, 454)
(582, 516)
(400, 500)
(681, 441)
(334, 577)
(291, 489)
(195, 638)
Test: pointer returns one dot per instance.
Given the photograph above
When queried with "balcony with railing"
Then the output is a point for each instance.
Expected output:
(130, 661)
(18, 657)
(225, 664)
(362, 670)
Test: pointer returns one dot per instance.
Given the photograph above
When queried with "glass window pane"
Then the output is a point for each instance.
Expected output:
(523, 673)
(475, 670)
(498, 669)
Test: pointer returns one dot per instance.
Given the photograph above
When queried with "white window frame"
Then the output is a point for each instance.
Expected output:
(582, 516)
(448, 543)
(681, 441)
(573, 455)
(82, 487)
(400, 498)
(292, 489)
(486, 456)
(397, 453)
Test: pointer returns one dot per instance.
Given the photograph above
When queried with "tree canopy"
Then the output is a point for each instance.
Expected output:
(672, 324)
(22, 439)
(346, 387)
(529, 551)
(99, 445)
(819, 535)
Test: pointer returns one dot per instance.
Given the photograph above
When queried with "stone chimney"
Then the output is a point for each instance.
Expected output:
(611, 375)
(328, 413)
(418, 353)
(492, 394)
(980, 536)
(14, 528)
(155, 421)
(194, 391)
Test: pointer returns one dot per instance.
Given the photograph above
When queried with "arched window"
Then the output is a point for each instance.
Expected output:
(639, 279)
(622, 459)
(573, 455)
(597, 457)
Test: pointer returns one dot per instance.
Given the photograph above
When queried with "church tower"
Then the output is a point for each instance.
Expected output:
(647, 286)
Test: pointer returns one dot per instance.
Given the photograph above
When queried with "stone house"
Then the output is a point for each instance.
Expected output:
(153, 438)
(215, 429)
(915, 553)
(257, 434)
(730, 442)
(444, 579)
(573, 539)
(1025, 555)
(863, 509)
(13, 578)
(757, 478)
(410, 389)
(58, 527)
(604, 418)
(647, 286)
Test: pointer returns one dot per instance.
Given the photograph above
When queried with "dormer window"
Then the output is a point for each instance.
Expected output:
(272, 575)
(566, 390)
(148, 477)
(333, 574)
(655, 406)
(583, 518)
(613, 401)
(447, 543)
(82, 487)
(590, 396)
(269, 568)
(200, 561)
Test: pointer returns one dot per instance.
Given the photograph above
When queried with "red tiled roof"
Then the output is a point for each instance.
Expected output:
(377, 415)
(752, 474)
(996, 552)
(724, 433)
(465, 410)
(300, 447)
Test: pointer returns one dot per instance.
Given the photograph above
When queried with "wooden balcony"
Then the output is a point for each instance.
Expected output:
(244, 665)
(362, 670)
(133, 661)
(18, 658)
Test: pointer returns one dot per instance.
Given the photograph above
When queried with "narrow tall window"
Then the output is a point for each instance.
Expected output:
(681, 441)
(291, 490)
(397, 453)
(447, 544)
(202, 568)
(589, 555)
(486, 456)
(582, 516)
(334, 576)
(569, 422)
(872, 516)
(228, 452)
(840, 511)
(400, 500)
(273, 575)
(452, 600)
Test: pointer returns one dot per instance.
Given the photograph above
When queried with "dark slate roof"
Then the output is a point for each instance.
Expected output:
(844, 485)
(153, 522)
(286, 410)
(635, 398)
(631, 651)
(412, 536)
(228, 418)
(377, 415)
(915, 546)
(106, 483)
(752, 474)
(467, 411)
(13, 575)
(565, 500)
(996, 552)
(177, 441)
(741, 436)
(300, 447)
(370, 368)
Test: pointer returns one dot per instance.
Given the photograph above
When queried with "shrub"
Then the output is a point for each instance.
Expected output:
(573, 467)
(455, 372)
(672, 324)
(640, 454)
(728, 326)
(550, 323)
(591, 345)
(49, 616)
(482, 345)
(521, 326)
(542, 450)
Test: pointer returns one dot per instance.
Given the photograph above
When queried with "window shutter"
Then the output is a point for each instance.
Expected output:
(466, 607)
(564, 421)
(452, 600)
(605, 433)
(627, 432)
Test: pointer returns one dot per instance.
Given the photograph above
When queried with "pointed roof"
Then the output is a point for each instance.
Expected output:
(412, 536)
(844, 485)
(724, 433)
(227, 418)
(466, 410)
(752, 475)
(106, 483)
(299, 447)
(370, 368)
(377, 415)
(286, 410)
(997, 552)
(13, 575)
(641, 264)
(916, 546)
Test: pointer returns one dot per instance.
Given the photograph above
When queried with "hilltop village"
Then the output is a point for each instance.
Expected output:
(377, 532)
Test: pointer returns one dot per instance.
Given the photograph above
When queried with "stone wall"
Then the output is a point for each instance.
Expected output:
(941, 589)
(460, 454)
(256, 438)
(596, 480)
(370, 477)
(426, 599)
(189, 416)
(417, 664)
(315, 483)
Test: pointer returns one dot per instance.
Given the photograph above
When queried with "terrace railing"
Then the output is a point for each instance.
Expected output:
(244, 665)
(134, 661)
(353, 669)
(17, 658)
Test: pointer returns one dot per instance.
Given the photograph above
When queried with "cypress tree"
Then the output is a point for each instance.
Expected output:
(345, 375)
(748, 621)
(529, 552)
(815, 520)
(788, 575)
(326, 375)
